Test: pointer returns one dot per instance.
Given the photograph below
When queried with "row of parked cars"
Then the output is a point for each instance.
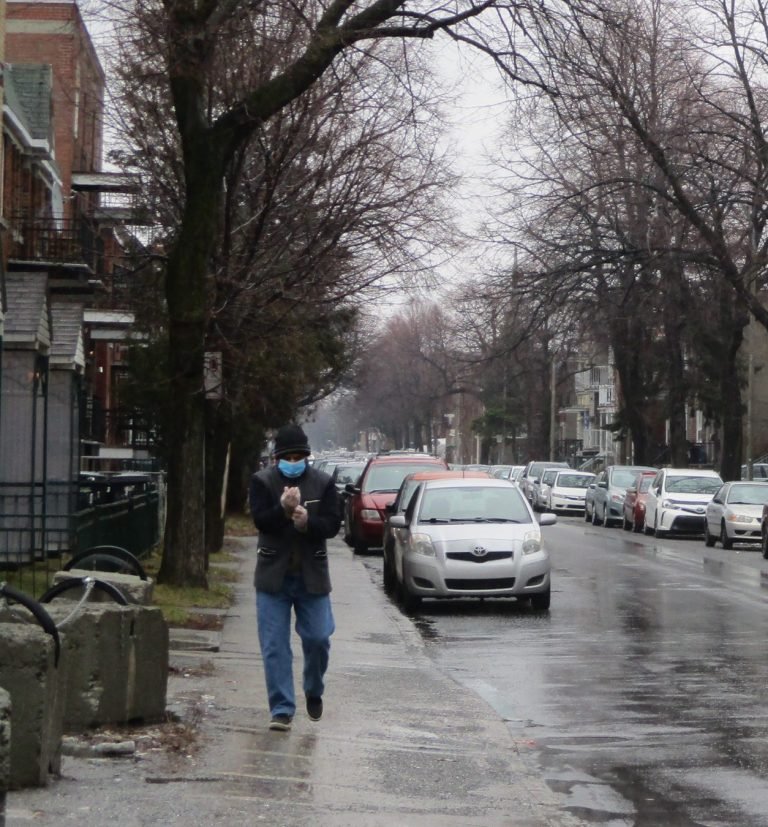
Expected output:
(471, 531)
(447, 533)
(656, 501)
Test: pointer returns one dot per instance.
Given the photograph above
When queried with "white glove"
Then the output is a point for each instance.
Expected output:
(290, 498)
(300, 517)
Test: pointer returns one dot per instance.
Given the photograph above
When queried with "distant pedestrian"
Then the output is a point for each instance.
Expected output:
(296, 509)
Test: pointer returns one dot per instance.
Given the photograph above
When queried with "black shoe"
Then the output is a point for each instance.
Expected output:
(314, 708)
(280, 722)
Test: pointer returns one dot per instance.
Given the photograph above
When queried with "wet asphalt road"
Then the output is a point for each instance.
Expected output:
(643, 696)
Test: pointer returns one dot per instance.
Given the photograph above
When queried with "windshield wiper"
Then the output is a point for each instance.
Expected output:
(483, 520)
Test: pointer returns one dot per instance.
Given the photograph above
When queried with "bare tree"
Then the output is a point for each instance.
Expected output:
(214, 129)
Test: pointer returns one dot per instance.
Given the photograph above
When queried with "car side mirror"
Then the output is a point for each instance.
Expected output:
(603, 484)
(631, 490)
(351, 488)
(397, 521)
(547, 519)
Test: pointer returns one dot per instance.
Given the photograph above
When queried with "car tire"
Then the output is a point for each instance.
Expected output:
(390, 579)
(659, 533)
(358, 546)
(646, 528)
(709, 540)
(607, 521)
(725, 540)
(764, 542)
(595, 519)
(638, 528)
(625, 523)
(587, 515)
(540, 602)
(407, 599)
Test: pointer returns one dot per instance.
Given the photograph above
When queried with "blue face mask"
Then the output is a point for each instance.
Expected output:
(291, 469)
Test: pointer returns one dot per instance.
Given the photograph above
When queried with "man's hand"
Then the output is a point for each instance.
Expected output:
(290, 498)
(299, 517)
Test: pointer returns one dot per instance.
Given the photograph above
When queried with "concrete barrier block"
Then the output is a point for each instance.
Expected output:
(29, 676)
(5, 750)
(117, 663)
(150, 681)
(136, 591)
(96, 649)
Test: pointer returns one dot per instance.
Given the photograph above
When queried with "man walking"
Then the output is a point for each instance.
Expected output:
(296, 509)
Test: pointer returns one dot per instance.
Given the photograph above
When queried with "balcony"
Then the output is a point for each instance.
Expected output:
(73, 244)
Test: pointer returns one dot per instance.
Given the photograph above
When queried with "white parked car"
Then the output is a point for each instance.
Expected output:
(540, 489)
(677, 500)
(735, 512)
(567, 492)
(467, 537)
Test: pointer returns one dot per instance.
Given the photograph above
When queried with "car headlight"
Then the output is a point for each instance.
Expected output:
(370, 514)
(531, 542)
(422, 544)
(668, 504)
(617, 498)
(739, 518)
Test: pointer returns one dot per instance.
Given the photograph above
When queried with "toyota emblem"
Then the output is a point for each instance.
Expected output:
(479, 551)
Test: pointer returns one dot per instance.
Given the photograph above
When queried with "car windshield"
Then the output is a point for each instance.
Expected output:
(748, 494)
(574, 480)
(692, 485)
(645, 483)
(389, 476)
(473, 504)
(348, 473)
(623, 479)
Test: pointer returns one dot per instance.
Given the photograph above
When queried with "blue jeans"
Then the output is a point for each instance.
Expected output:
(314, 625)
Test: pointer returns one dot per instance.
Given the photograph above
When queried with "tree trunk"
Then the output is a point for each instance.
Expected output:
(732, 408)
(184, 562)
(218, 435)
(677, 387)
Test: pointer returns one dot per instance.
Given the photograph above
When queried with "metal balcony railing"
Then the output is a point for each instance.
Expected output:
(72, 241)
(118, 428)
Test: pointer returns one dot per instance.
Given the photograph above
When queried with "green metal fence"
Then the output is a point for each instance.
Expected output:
(131, 522)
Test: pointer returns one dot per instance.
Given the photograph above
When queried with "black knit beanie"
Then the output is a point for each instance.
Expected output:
(291, 439)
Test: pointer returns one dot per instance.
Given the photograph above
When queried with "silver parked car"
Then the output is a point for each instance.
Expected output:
(463, 538)
(607, 497)
(734, 513)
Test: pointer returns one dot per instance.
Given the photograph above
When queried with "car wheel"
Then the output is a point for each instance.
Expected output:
(607, 521)
(765, 542)
(646, 528)
(540, 602)
(347, 531)
(408, 600)
(358, 546)
(724, 538)
(595, 518)
(638, 527)
(659, 532)
(709, 540)
(625, 523)
(390, 580)
(587, 515)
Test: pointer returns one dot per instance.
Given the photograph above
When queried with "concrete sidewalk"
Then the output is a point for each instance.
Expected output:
(400, 743)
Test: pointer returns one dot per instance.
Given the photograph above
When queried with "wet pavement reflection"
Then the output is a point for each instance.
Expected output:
(640, 696)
